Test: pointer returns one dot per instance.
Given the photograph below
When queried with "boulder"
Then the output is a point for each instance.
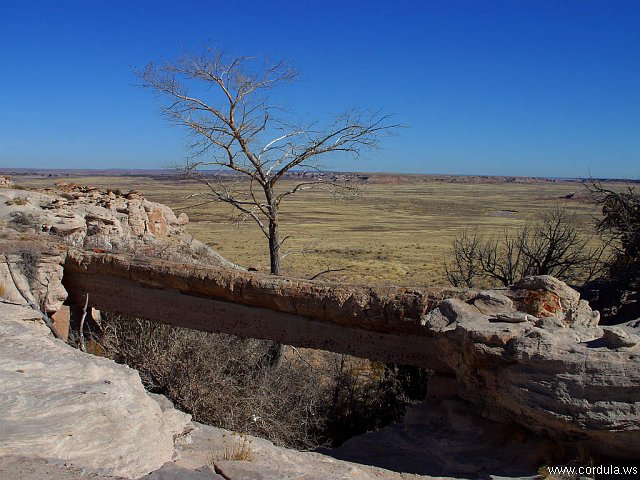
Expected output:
(568, 296)
(543, 296)
(552, 375)
(490, 303)
(582, 316)
(617, 337)
(445, 315)
(61, 321)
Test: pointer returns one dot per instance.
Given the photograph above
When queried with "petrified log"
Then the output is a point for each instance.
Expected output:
(533, 353)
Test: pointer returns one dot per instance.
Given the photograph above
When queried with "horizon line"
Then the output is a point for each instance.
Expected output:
(7, 171)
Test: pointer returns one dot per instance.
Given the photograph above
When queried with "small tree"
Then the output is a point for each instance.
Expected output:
(620, 226)
(553, 246)
(222, 103)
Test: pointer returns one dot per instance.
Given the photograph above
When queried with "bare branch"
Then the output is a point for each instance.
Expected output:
(328, 270)
(553, 246)
(83, 346)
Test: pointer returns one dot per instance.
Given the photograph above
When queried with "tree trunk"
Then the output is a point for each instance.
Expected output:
(274, 233)
(274, 247)
(276, 350)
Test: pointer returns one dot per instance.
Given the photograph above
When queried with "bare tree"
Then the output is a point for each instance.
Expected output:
(222, 103)
(620, 228)
(553, 246)
(465, 268)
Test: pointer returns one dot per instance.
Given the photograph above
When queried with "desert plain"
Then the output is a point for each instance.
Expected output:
(398, 229)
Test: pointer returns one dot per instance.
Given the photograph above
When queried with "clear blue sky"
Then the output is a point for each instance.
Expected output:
(549, 88)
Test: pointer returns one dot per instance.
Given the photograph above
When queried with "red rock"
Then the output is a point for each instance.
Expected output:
(61, 321)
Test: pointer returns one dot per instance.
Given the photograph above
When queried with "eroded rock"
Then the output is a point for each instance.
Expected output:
(31, 273)
(491, 303)
(5, 182)
(513, 317)
(543, 296)
(616, 337)
(59, 403)
(550, 374)
(89, 218)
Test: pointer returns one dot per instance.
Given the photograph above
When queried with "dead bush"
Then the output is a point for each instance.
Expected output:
(17, 201)
(553, 246)
(28, 263)
(223, 380)
(20, 221)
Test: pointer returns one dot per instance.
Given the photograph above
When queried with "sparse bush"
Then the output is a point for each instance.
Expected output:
(17, 201)
(359, 405)
(28, 263)
(224, 381)
(620, 225)
(554, 246)
(19, 219)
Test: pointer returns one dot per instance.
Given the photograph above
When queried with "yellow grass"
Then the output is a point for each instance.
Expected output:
(397, 234)
(236, 447)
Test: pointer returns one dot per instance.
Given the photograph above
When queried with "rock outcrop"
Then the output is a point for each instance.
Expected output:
(5, 182)
(60, 404)
(533, 354)
(553, 370)
(108, 221)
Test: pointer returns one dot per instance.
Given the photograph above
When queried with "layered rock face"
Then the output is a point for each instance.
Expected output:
(59, 403)
(108, 221)
(56, 402)
(535, 354)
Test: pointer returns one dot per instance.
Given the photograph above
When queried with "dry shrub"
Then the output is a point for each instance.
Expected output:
(556, 245)
(17, 201)
(224, 381)
(237, 447)
(28, 263)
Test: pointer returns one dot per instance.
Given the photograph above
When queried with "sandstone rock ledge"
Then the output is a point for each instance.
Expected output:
(111, 221)
(67, 415)
(60, 404)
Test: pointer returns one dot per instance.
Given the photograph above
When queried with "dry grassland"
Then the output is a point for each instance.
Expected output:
(392, 233)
